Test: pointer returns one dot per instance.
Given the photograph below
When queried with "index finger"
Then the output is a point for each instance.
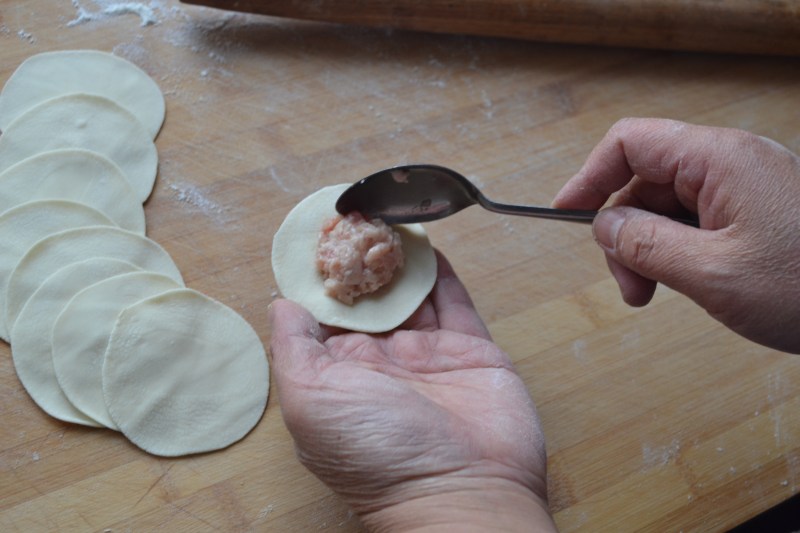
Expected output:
(448, 306)
(453, 305)
(659, 151)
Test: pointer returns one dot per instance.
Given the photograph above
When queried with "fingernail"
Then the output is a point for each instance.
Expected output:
(606, 227)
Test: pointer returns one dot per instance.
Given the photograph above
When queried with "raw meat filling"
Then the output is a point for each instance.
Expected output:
(357, 256)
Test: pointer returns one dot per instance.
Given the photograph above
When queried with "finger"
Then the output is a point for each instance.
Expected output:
(592, 186)
(424, 318)
(659, 249)
(636, 290)
(454, 308)
(656, 197)
(296, 341)
(656, 150)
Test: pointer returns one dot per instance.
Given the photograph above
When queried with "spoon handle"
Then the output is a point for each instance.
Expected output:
(571, 215)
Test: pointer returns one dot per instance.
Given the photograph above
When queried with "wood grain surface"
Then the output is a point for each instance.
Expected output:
(657, 419)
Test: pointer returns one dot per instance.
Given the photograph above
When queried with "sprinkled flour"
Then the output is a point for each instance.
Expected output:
(106, 8)
(26, 36)
(194, 197)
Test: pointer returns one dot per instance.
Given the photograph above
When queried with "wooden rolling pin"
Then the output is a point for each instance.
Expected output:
(739, 26)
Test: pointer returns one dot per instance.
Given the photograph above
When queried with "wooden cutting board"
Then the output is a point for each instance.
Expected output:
(656, 418)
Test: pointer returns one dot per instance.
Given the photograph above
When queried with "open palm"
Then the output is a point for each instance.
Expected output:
(424, 409)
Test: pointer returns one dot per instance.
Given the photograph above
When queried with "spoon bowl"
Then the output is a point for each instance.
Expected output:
(422, 193)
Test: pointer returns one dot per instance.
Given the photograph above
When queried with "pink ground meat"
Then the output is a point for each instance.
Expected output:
(357, 256)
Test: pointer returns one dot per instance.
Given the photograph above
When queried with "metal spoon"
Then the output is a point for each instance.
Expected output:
(421, 193)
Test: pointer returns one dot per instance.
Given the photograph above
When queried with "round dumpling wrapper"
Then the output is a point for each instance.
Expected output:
(77, 175)
(23, 226)
(294, 249)
(184, 374)
(51, 74)
(65, 247)
(80, 336)
(87, 122)
(32, 346)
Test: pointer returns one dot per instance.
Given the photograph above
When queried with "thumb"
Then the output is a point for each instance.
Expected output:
(295, 342)
(657, 248)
